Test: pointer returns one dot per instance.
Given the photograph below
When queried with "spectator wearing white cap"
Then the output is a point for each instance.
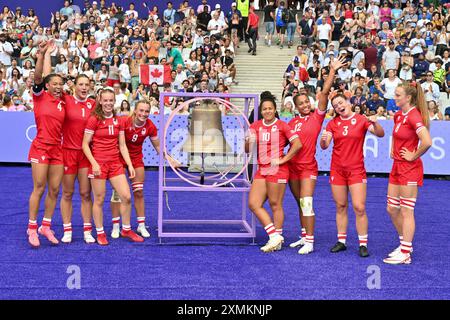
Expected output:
(218, 10)
(101, 34)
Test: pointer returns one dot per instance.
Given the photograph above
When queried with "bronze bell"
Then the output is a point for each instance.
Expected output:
(206, 131)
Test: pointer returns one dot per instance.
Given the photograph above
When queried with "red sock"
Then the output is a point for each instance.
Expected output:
(87, 227)
(342, 237)
(303, 232)
(32, 224)
(46, 222)
(270, 229)
(100, 231)
(67, 227)
(406, 247)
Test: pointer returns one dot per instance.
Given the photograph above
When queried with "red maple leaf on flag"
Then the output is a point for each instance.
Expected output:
(156, 73)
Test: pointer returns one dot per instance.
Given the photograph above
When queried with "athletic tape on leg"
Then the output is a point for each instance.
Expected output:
(408, 203)
(115, 197)
(137, 186)
(306, 204)
(393, 201)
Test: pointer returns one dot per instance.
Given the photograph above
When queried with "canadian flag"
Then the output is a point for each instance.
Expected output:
(154, 73)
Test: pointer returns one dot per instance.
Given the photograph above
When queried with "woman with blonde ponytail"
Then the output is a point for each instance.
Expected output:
(411, 125)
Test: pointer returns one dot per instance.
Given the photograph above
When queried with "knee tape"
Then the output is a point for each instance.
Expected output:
(115, 197)
(306, 204)
(393, 202)
(137, 186)
(408, 203)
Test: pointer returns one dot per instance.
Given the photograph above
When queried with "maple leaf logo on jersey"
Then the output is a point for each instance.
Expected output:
(353, 121)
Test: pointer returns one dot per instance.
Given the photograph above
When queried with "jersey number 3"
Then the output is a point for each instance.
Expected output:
(345, 131)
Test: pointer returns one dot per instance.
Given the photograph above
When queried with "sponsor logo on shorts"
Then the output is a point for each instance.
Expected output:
(313, 177)
(43, 157)
(282, 181)
(66, 168)
(332, 178)
(411, 183)
(91, 176)
(364, 180)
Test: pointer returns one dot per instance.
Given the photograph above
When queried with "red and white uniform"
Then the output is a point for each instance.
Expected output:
(304, 164)
(49, 115)
(77, 114)
(406, 129)
(135, 136)
(105, 145)
(347, 161)
(271, 140)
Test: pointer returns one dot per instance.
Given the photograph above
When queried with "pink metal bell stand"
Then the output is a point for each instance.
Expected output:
(166, 184)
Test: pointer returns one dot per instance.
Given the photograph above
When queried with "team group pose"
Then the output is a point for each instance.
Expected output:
(82, 139)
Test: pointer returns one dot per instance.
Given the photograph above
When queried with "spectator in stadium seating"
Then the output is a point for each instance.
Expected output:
(447, 114)
(430, 88)
(433, 111)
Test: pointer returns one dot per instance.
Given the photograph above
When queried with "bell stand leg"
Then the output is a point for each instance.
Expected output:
(202, 173)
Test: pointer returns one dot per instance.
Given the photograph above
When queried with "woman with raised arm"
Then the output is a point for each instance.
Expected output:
(46, 154)
(303, 169)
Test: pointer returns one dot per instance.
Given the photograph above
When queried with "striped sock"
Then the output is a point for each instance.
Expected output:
(100, 231)
(141, 221)
(363, 240)
(270, 229)
(279, 231)
(116, 222)
(309, 239)
(87, 227)
(406, 247)
(126, 228)
(342, 237)
(46, 222)
(32, 224)
(303, 233)
(67, 227)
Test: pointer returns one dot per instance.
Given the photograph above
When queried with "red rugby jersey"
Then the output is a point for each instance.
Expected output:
(49, 115)
(271, 139)
(406, 128)
(77, 115)
(135, 136)
(105, 140)
(308, 129)
(348, 136)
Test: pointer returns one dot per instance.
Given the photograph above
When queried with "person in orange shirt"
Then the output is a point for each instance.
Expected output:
(153, 47)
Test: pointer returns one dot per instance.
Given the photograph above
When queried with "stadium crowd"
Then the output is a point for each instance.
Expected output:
(385, 42)
(109, 43)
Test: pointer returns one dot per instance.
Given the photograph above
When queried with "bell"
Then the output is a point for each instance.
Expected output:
(205, 131)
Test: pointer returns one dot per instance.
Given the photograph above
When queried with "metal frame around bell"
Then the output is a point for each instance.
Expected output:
(250, 228)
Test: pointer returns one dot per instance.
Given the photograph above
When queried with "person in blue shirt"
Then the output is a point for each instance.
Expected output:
(447, 113)
(392, 108)
(67, 10)
(377, 88)
(421, 66)
(375, 102)
(169, 14)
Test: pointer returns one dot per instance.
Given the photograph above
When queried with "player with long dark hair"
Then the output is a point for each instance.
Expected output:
(303, 168)
(270, 135)
(46, 152)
